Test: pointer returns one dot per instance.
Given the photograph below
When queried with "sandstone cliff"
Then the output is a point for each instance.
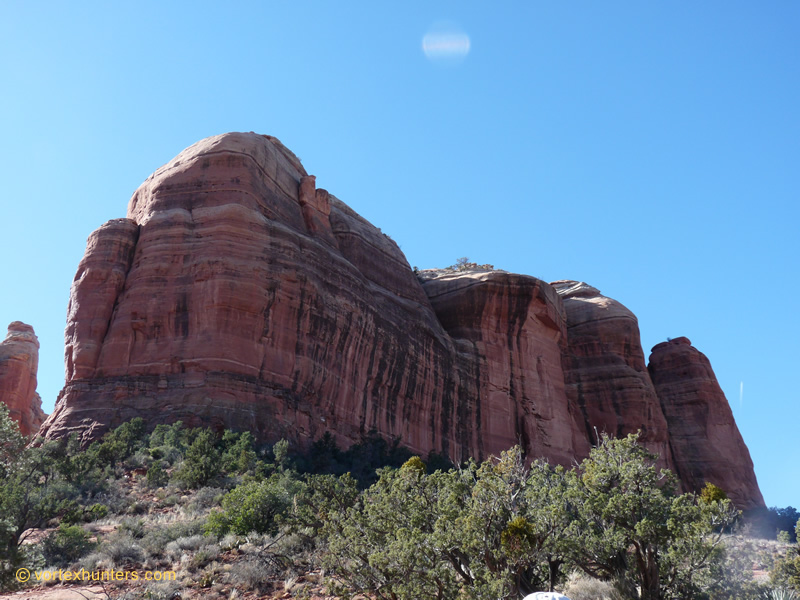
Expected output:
(706, 444)
(605, 372)
(237, 294)
(19, 360)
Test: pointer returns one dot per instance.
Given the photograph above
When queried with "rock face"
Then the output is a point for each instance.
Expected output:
(706, 444)
(510, 332)
(605, 371)
(236, 294)
(19, 360)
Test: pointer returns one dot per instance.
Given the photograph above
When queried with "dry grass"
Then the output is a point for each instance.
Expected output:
(582, 587)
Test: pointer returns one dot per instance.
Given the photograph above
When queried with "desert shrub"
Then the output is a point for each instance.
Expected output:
(131, 435)
(96, 512)
(157, 476)
(65, 545)
(324, 457)
(95, 561)
(31, 493)
(181, 529)
(154, 590)
(169, 455)
(248, 574)
(137, 507)
(321, 497)
(712, 493)
(464, 264)
(203, 556)
(73, 465)
(254, 506)
(170, 500)
(176, 548)
(109, 451)
(205, 498)
(71, 512)
(201, 462)
(732, 576)
(116, 499)
(433, 513)
(230, 541)
(133, 527)
(239, 455)
(171, 436)
(122, 550)
(499, 529)
(194, 542)
(156, 539)
(786, 572)
(169, 442)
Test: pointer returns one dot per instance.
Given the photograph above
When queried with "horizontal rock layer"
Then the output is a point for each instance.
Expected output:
(237, 294)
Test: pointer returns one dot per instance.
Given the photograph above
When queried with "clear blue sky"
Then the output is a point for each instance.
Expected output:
(649, 149)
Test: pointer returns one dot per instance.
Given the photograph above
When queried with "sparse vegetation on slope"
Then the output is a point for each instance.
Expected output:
(230, 518)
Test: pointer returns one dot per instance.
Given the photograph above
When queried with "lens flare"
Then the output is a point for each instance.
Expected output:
(446, 44)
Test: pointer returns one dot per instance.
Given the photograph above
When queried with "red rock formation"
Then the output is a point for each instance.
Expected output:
(605, 372)
(236, 294)
(513, 329)
(19, 359)
(99, 280)
(706, 444)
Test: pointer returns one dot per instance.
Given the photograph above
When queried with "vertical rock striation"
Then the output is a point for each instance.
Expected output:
(19, 361)
(236, 294)
(706, 444)
(510, 331)
(95, 289)
(248, 299)
(605, 372)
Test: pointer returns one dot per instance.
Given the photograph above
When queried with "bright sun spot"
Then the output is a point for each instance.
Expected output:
(446, 44)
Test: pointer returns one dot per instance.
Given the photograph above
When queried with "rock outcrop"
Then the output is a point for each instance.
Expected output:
(605, 371)
(510, 331)
(19, 360)
(706, 444)
(236, 294)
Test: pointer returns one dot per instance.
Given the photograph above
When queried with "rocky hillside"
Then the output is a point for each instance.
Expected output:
(236, 294)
